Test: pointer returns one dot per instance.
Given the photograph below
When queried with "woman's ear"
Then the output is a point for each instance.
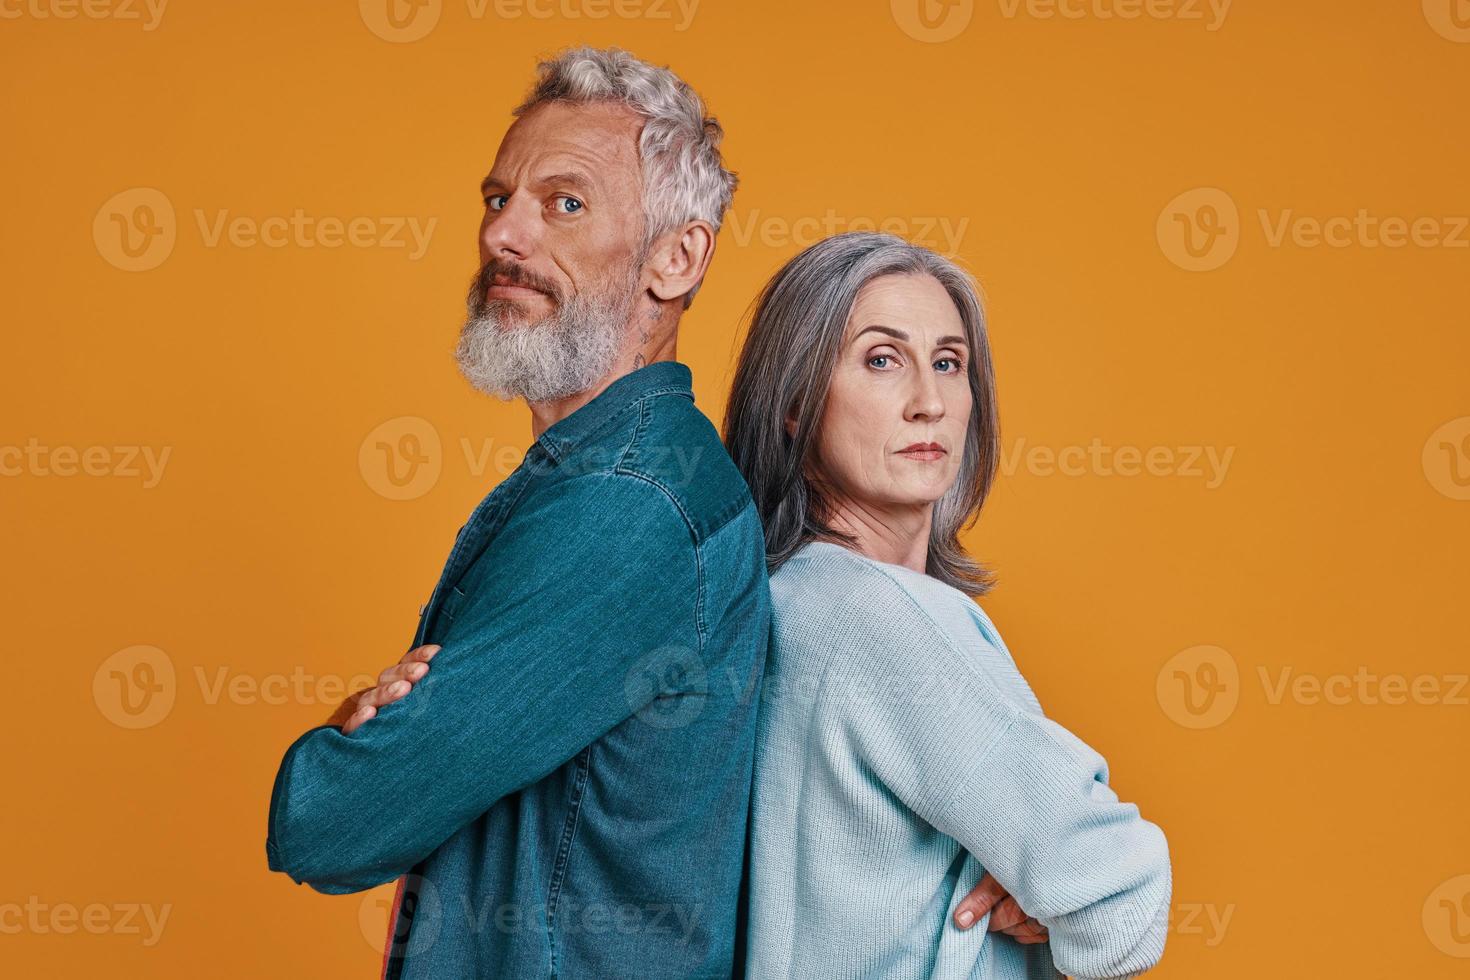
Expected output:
(679, 259)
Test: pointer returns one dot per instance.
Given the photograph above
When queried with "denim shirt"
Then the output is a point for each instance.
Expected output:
(566, 791)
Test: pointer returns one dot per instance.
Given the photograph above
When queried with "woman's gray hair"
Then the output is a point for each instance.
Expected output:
(684, 178)
(786, 368)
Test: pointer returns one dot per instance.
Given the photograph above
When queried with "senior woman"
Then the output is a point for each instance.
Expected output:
(900, 755)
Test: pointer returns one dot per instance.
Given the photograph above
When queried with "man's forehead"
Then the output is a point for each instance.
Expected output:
(559, 138)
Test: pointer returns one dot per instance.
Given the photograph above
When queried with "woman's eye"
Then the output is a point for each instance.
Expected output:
(948, 360)
(568, 205)
(879, 357)
(495, 201)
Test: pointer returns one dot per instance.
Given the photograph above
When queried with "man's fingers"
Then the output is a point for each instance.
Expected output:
(421, 654)
(403, 672)
(978, 902)
(1006, 915)
(359, 716)
(384, 694)
(393, 683)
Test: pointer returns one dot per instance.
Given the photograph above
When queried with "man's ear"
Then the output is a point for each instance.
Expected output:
(679, 258)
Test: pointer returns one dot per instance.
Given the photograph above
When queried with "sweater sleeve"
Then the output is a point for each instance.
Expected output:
(1023, 795)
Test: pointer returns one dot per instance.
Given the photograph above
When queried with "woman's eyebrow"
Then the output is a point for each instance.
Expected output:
(901, 335)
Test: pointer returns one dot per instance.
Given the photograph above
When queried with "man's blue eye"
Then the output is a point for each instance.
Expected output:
(492, 198)
(572, 205)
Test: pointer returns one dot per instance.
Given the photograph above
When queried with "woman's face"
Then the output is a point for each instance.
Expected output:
(901, 379)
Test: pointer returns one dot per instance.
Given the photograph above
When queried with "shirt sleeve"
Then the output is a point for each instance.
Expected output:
(587, 581)
(1022, 794)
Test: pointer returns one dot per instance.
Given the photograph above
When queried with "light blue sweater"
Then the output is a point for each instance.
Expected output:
(899, 754)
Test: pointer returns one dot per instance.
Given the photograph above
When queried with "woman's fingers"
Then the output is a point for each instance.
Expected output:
(1006, 916)
(978, 902)
(1028, 932)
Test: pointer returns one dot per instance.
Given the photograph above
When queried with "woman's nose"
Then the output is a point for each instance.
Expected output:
(924, 399)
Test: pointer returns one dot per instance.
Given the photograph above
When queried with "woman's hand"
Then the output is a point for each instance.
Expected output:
(393, 684)
(1007, 917)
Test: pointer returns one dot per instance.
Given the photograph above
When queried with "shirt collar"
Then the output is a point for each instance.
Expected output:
(657, 378)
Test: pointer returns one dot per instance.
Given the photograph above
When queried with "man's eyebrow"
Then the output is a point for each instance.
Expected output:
(568, 179)
(890, 331)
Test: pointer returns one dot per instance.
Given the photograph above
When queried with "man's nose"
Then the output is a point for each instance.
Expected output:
(512, 231)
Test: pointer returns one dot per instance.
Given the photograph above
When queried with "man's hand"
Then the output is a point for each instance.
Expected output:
(1007, 917)
(393, 684)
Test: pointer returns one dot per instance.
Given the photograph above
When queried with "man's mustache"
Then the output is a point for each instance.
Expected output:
(512, 274)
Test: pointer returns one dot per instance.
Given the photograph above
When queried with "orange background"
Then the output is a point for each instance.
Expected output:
(1307, 838)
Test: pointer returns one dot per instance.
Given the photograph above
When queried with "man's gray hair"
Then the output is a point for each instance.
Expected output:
(684, 178)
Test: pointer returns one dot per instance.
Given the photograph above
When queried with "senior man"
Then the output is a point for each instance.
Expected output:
(565, 793)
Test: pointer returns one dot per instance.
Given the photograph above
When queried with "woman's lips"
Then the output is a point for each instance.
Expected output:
(923, 454)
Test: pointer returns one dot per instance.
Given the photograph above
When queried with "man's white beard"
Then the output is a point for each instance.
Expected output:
(567, 351)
